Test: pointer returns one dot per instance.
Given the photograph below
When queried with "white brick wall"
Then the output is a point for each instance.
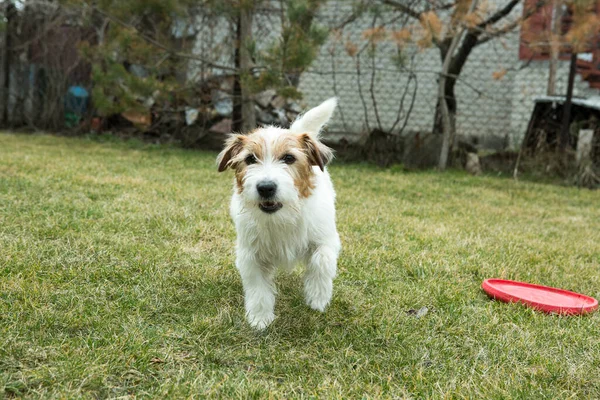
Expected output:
(498, 108)
(486, 107)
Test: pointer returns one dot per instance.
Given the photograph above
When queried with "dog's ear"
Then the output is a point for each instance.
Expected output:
(233, 146)
(313, 120)
(318, 154)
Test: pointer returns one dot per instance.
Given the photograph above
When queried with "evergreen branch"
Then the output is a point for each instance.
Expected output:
(161, 46)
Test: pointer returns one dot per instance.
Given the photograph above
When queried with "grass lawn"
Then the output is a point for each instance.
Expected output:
(117, 278)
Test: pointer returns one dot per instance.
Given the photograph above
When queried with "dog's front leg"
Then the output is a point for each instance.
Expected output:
(259, 290)
(318, 279)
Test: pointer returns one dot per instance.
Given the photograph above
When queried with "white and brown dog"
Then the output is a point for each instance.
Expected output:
(283, 206)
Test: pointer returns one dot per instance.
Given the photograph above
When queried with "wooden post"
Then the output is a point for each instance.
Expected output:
(564, 131)
(584, 146)
(586, 174)
(554, 48)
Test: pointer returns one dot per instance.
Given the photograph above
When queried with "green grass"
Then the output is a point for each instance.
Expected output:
(117, 278)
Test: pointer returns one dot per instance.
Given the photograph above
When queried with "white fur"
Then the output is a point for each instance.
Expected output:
(314, 120)
(302, 232)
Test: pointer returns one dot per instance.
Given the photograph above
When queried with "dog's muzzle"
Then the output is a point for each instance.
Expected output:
(267, 191)
(270, 206)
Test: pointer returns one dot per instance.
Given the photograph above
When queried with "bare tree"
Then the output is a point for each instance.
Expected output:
(462, 18)
(448, 120)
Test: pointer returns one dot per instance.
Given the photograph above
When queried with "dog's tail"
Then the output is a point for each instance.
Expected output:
(315, 119)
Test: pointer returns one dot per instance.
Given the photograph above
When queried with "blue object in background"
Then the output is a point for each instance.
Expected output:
(76, 103)
(77, 100)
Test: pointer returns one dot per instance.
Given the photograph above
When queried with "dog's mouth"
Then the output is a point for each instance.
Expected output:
(269, 206)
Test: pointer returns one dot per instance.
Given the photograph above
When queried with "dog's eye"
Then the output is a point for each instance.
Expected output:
(288, 159)
(250, 159)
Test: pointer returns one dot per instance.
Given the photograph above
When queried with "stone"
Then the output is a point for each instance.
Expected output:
(222, 127)
(263, 99)
(473, 165)
(264, 116)
(222, 102)
(227, 84)
(281, 118)
(191, 115)
(291, 116)
(294, 107)
(278, 102)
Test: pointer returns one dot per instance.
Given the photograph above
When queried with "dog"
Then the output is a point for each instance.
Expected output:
(283, 207)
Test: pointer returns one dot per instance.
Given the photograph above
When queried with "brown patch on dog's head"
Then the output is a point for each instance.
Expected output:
(301, 169)
(305, 150)
(318, 154)
(237, 149)
(255, 146)
(233, 147)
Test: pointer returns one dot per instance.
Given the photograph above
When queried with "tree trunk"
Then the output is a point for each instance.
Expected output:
(446, 87)
(438, 127)
(248, 113)
(9, 14)
(236, 115)
(244, 116)
(447, 119)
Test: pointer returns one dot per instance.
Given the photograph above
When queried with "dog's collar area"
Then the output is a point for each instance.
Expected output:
(269, 206)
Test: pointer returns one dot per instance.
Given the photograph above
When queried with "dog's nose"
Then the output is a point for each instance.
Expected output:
(266, 189)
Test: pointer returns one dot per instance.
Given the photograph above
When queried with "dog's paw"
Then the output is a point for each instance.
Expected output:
(260, 322)
(317, 293)
(318, 303)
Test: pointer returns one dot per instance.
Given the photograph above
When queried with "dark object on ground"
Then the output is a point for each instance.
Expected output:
(500, 163)
(422, 150)
(421, 312)
(382, 148)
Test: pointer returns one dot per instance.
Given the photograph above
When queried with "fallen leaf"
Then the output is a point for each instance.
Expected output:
(497, 75)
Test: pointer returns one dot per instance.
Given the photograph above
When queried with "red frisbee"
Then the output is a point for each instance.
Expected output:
(543, 298)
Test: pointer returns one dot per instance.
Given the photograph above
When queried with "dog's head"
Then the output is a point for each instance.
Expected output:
(274, 167)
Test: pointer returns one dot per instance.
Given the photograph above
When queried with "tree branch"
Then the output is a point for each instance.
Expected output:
(409, 71)
(508, 28)
(360, 94)
(356, 13)
(503, 12)
(468, 44)
(411, 76)
(474, 39)
(504, 30)
(335, 90)
(403, 8)
(161, 46)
